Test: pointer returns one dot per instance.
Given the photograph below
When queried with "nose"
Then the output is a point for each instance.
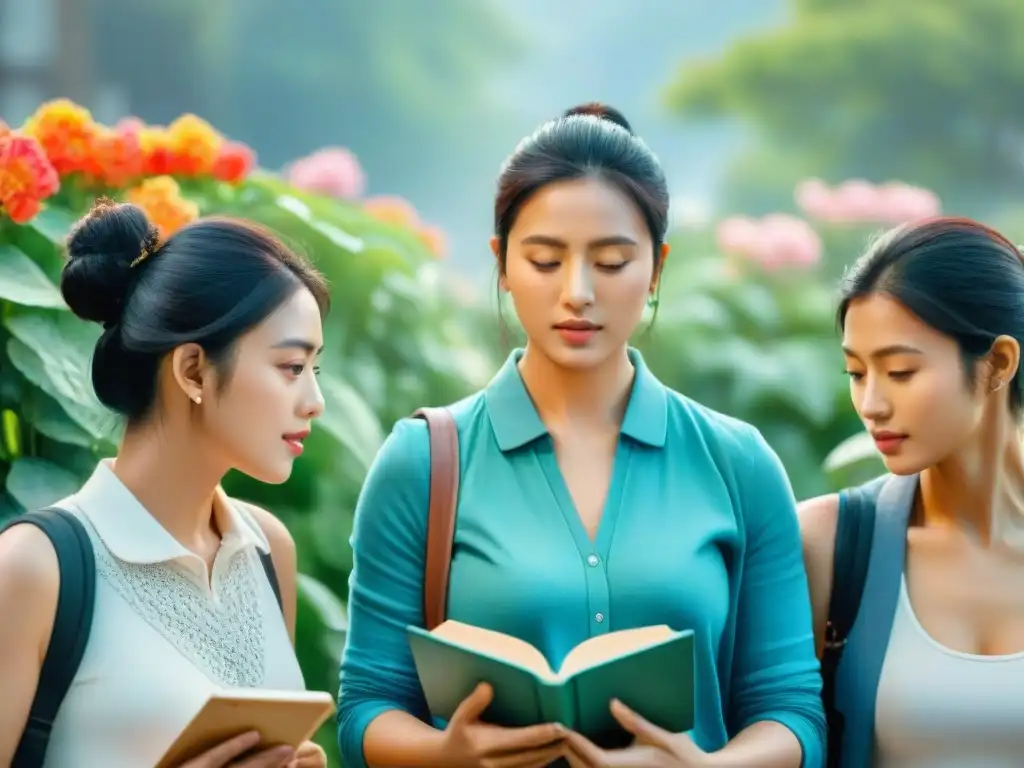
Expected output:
(313, 406)
(578, 285)
(874, 404)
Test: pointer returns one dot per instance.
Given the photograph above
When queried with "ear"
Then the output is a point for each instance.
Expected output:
(656, 277)
(190, 368)
(495, 243)
(1003, 360)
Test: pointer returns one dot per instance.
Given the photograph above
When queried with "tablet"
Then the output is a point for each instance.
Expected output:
(281, 717)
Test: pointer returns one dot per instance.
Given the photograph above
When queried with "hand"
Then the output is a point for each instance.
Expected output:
(469, 743)
(653, 747)
(309, 755)
(226, 755)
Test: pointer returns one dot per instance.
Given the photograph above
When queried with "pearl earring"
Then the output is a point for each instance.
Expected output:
(198, 400)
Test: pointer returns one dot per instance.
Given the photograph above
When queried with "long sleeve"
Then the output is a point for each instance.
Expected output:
(776, 675)
(385, 589)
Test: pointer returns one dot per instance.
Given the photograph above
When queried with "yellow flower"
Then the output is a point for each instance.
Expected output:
(194, 145)
(160, 197)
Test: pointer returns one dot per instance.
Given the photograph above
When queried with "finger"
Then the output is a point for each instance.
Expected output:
(529, 758)
(222, 754)
(278, 757)
(530, 737)
(643, 729)
(474, 705)
(584, 751)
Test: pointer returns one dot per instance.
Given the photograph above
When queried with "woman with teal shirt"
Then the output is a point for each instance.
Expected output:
(592, 499)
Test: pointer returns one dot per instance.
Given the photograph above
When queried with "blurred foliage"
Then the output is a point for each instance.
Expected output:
(397, 80)
(920, 90)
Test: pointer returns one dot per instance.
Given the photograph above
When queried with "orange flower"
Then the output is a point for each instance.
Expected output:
(234, 162)
(26, 176)
(4, 129)
(393, 210)
(435, 239)
(66, 132)
(160, 197)
(118, 159)
(194, 144)
(157, 156)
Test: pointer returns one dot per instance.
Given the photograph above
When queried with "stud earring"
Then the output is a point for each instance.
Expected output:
(652, 301)
(198, 400)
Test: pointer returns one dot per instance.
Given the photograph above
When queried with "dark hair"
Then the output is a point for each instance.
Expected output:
(209, 283)
(588, 140)
(960, 277)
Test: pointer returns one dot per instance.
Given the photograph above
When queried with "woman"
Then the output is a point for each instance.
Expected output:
(592, 497)
(932, 318)
(208, 353)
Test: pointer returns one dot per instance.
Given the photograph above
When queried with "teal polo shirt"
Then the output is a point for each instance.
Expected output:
(699, 531)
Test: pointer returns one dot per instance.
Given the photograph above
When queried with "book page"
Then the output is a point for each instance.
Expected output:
(496, 645)
(597, 650)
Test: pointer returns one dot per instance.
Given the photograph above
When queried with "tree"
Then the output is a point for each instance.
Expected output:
(923, 90)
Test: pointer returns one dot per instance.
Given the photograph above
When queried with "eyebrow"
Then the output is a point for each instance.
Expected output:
(889, 351)
(601, 242)
(306, 346)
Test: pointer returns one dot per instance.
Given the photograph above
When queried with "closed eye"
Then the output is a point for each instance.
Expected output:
(901, 375)
(612, 267)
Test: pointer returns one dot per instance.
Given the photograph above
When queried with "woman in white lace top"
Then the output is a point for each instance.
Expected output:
(208, 352)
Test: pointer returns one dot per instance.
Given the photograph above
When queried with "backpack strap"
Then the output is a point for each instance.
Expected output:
(854, 532)
(444, 499)
(268, 566)
(71, 626)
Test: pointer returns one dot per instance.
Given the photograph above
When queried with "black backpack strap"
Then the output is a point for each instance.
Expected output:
(71, 626)
(854, 531)
(268, 566)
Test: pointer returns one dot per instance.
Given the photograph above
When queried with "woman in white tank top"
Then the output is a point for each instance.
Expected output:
(933, 320)
(208, 353)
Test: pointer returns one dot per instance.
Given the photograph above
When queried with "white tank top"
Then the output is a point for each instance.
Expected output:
(164, 634)
(939, 708)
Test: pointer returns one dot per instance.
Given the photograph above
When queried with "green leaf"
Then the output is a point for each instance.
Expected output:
(36, 483)
(49, 418)
(8, 507)
(324, 603)
(853, 450)
(23, 282)
(350, 420)
(54, 223)
(61, 370)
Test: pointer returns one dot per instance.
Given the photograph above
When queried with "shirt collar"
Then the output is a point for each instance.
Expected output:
(515, 420)
(133, 535)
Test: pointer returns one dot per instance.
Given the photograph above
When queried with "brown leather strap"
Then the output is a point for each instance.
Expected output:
(444, 497)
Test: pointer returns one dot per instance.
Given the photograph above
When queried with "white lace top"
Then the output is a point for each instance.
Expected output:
(165, 634)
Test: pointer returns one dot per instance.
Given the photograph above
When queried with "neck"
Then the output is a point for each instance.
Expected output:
(592, 398)
(980, 489)
(173, 479)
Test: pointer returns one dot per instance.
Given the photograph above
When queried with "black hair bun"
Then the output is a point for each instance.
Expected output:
(102, 247)
(603, 111)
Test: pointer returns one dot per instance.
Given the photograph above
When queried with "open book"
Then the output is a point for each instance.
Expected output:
(649, 669)
(281, 717)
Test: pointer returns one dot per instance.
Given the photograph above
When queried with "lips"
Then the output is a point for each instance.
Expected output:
(577, 325)
(294, 441)
(888, 443)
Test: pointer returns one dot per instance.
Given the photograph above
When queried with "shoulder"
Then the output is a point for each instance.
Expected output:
(29, 579)
(276, 533)
(726, 437)
(818, 518)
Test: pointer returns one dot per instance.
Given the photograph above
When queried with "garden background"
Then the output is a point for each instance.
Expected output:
(369, 136)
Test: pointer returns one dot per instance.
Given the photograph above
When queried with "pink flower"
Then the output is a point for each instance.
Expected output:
(857, 201)
(332, 171)
(774, 242)
(902, 203)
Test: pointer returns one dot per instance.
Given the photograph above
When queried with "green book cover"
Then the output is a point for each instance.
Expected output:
(649, 669)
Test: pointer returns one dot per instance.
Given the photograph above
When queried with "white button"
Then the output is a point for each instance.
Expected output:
(593, 560)
(599, 617)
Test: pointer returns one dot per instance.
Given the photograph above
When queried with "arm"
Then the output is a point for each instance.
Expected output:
(775, 702)
(282, 552)
(382, 715)
(29, 585)
(818, 520)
